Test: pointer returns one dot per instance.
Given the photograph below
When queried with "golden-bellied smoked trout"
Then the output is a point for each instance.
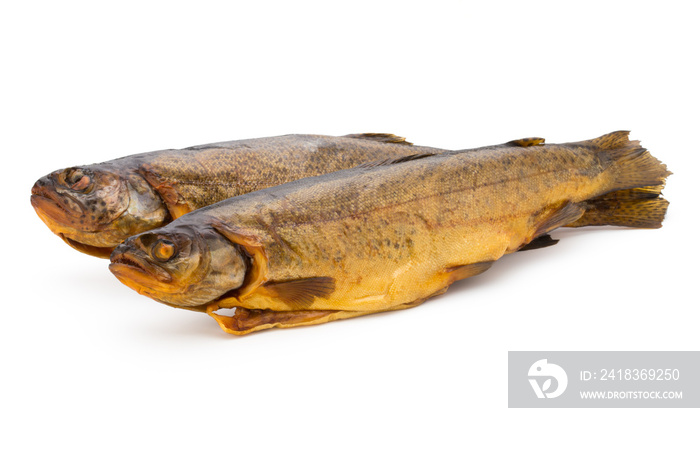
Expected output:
(93, 208)
(387, 235)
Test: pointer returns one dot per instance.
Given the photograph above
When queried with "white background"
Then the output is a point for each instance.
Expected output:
(93, 373)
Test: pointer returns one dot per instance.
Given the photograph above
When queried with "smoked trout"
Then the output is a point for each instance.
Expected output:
(95, 207)
(387, 235)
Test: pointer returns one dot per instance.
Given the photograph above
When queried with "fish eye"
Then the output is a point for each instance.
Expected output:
(77, 180)
(163, 250)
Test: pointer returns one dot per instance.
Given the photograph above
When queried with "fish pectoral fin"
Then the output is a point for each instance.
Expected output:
(301, 293)
(539, 242)
(460, 272)
(380, 137)
(245, 321)
(526, 142)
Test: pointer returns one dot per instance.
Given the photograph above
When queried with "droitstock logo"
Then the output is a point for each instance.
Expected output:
(542, 373)
(603, 379)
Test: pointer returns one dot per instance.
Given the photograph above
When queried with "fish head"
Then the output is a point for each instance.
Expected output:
(180, 265)
(94, 208)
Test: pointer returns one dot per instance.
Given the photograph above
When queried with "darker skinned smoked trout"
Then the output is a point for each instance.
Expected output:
(95, 207)
(387, 235)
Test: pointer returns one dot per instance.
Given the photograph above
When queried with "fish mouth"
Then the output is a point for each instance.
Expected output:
(129, 268)
(46, 198)
(49, 208)
(55, 216)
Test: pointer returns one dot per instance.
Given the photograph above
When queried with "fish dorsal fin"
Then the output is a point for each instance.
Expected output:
(257, 274)
(301, 293)
(380, 137)
(390, 161)
(526, 142)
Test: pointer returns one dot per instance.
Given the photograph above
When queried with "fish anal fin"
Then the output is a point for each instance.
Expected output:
(258, 271)
(539, 242)
(380, 137)
(526, 142)
(460, 272)
(301, 293)
(554, 217)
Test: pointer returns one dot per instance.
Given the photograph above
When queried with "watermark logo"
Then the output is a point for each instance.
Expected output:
(544, 372)
(604, 379)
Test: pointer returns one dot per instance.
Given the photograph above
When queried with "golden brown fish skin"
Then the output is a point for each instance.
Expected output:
(210, 173)
(95, 207)
(388, 237)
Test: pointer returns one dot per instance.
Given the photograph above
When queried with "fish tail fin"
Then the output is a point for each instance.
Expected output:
(634, 197)
(637, 208)
(631, 165)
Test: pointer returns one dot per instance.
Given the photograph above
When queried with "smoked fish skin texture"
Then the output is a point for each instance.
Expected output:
(95, 207)
(389, 236)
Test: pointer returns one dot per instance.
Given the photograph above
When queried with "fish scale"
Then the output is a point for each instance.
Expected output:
(95, 207)
(391, 234)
